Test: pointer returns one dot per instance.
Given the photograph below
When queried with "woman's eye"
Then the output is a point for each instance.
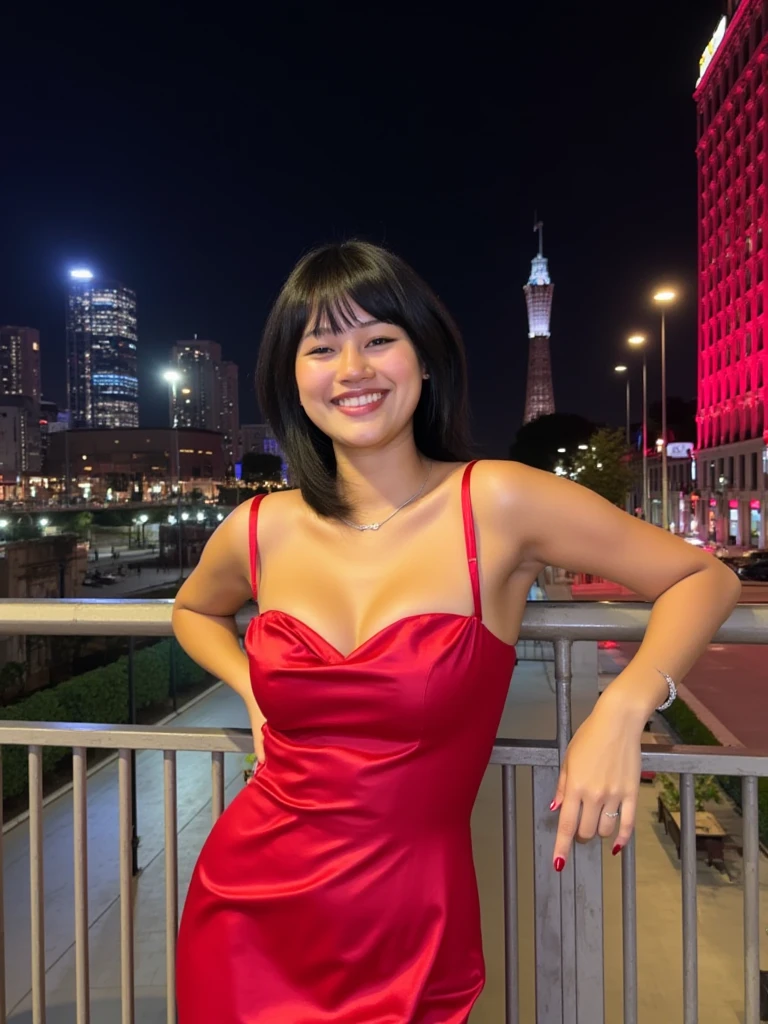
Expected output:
(380, 341)
(319, 350)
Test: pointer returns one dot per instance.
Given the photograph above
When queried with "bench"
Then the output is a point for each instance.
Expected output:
(710, 834)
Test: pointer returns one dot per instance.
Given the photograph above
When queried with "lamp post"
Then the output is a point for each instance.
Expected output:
(624, 369)
(172, 377)
(664, 297)
(638, 340)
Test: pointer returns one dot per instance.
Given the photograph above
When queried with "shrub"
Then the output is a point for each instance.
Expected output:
(101, 696)
(690, 730)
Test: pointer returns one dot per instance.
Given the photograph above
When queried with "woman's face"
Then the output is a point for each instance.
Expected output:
(360, 387)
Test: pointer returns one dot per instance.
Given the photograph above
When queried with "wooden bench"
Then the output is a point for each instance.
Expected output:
(710, 834)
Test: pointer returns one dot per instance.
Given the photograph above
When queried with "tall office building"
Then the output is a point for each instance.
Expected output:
(229, 412)
(206, 396)
(731, 98)
(539, 395)
(20, 361)
(102, 379)
(197, 397)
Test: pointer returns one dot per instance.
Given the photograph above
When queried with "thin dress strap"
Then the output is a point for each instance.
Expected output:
(253, 544)
(469, 538)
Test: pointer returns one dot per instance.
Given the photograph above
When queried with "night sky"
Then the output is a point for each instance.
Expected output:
(195, 160)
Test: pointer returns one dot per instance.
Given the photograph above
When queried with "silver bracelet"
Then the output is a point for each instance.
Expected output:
(672, 690)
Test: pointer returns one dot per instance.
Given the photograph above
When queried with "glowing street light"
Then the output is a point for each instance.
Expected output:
(561, 451)
(43, 522)
(172, 379)
(81, 274)
(3, 524)
(624, 369)
(663, 297)
(638, 341)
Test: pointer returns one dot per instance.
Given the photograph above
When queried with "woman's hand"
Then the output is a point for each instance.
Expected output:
(600, 776)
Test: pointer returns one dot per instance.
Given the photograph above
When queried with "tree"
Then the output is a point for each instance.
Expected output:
(537, 442)
(603, 467)
(260, 466)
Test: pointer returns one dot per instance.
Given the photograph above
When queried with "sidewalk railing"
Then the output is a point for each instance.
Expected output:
(568, 907)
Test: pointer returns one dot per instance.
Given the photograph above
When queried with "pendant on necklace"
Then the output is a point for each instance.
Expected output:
(372, 526)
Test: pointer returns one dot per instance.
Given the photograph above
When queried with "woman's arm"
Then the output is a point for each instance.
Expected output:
(559, 523)
(205, 608)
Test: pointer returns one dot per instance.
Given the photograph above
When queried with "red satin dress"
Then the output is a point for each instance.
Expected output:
(339, 885)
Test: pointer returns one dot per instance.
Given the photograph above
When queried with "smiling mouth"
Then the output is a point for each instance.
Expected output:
(359, 401)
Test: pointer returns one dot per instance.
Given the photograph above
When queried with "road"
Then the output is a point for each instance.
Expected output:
(730, 680)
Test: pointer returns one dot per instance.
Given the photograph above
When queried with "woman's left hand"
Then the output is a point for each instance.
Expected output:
(600, 776)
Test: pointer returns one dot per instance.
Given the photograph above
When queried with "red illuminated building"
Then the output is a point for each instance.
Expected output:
(732, 110)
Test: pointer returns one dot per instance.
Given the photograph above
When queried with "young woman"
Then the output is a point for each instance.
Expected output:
(339, 886)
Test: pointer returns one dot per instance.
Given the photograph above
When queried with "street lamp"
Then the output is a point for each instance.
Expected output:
(172, 378)
(663, 297)
(638, 341)
(624, 369)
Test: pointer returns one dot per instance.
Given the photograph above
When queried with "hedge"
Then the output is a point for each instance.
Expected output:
(692, 731)
(100, 695)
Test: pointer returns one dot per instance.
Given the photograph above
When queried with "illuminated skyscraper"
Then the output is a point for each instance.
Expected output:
(732, 112)
(20, 361)
(207, 394)
(102, 379)
(229, 411)
(198, 396)
(539, 396)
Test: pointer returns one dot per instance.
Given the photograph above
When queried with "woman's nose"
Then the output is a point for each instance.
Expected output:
(354, 365)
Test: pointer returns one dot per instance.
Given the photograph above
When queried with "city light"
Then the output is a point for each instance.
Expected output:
(583, 447)
(200, 516)
(219, 517)
(143, 519)
(636, 339)
(172, 376)
(561, 451)
(43, 522)
(620, 369)
(665, 295)
(3, 524)
(81, 274)
(185, 516)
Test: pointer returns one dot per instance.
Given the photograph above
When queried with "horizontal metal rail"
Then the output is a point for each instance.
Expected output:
(562, 620)
(532, 753)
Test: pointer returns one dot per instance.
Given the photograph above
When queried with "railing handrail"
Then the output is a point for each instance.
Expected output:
(537, 753)
(568, 620)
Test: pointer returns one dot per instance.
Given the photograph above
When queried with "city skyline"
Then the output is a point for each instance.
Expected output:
(450, 181)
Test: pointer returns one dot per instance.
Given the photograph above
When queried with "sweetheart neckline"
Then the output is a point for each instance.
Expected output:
(384, 629)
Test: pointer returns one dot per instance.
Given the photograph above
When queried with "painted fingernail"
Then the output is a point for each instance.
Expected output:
(554, 805)
(559, 863)
(617, 849)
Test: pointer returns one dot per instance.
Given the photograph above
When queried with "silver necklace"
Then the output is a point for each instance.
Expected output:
(377, 526)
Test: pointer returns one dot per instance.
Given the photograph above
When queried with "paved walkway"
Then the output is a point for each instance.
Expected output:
(529, 713)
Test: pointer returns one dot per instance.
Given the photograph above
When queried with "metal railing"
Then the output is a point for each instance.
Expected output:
(568, 907)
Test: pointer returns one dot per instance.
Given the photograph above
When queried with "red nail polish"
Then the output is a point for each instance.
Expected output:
(617, 849)
(554, 805)
(559, 863)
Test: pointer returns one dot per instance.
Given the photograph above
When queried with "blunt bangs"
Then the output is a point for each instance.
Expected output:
(320, 293)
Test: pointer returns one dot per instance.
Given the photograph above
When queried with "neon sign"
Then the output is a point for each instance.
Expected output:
(711, 48)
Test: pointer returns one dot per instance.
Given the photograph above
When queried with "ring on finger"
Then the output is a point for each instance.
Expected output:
(612, 814)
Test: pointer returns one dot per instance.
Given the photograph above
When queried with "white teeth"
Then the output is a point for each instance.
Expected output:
(361, 400)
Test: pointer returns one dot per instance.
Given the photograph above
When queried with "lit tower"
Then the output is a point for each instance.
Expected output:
(539, 397)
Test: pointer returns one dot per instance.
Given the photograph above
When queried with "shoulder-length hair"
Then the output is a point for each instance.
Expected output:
(321, 287)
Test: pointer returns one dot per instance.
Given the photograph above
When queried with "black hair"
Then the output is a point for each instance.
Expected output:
(322, 286)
